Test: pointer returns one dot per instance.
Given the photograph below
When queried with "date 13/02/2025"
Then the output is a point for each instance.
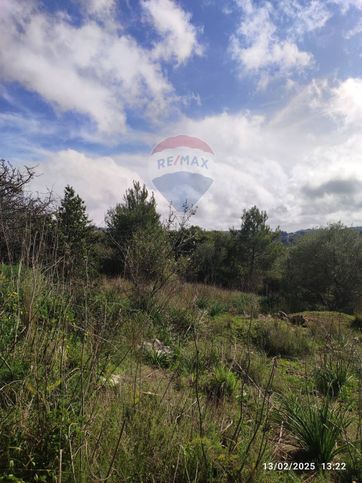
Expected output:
(303, 466)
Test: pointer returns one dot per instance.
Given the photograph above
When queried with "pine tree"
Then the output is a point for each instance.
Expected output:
(74, 232)
(136, 214)
(257, 247)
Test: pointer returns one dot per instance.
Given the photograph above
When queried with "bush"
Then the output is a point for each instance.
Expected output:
(181, 320)
(357, 321)
(208, 358)
(218, 301)
(255, 370)
(316, 428)
(158, 358)
(278, 338)
(331, 377)
(221, 383)
(217, 308)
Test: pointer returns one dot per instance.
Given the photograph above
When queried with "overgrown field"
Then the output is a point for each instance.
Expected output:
(199, 386)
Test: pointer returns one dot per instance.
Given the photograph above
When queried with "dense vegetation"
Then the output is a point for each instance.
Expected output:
(156, 351)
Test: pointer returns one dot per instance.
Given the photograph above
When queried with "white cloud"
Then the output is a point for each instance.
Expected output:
(270, 161)
(91, 68)
(179, 36)
(103, 9)
(346, 102)
(356, 30)
(100, 181)
(257, 46)
(304, 16)
(296, 163)
(345, 5)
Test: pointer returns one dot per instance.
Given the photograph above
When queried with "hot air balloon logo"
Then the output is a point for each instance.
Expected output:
(181, 170)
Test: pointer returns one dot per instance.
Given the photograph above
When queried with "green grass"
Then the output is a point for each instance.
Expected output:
(279, 338)
(78, 383)
(221, 383)
(316, 427)
(331, 376)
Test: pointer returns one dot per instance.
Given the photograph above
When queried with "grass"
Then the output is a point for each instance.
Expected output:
(331, 376)
(279, 338)
(221, 383)
(316, 427)
(81, 400)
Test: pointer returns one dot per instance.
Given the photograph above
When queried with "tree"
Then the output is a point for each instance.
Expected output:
(73, 233)
(212, 260)
(324, 270)
(256, 248)
(23, 218)
(150, 264)
(136, 214)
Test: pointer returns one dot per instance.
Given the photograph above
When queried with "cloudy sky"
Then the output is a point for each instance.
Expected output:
(88, 87)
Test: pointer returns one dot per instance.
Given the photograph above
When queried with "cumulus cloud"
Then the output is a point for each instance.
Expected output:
(100, 181)
(297, 163)
(301, 164)
(92, 68)
(260, 45)
(346, 102)
(179, 36)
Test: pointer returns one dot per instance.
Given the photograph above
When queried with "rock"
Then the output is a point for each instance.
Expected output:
(113, 380)
(156, 345)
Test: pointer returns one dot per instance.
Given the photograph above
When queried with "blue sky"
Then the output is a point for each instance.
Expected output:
(88, 87)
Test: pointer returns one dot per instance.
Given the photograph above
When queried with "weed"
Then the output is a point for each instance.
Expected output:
(221, 383)
(316, 427)
(331, 377)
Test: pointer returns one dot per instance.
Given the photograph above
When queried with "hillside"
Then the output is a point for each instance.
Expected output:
(289, 238)
(202, 386)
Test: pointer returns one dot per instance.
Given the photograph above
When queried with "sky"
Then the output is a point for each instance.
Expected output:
(89, 87)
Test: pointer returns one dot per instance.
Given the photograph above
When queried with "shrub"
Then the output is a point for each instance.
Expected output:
(217, 308)
(357, 321)
(158, 358)
(202, 303)
(278, 338)
(316, 428)
(246, 303)
(208, 358)
(217, 301)
(16, 370)
(221, 383)
(331, 377)
(181, 320)
(255, 370)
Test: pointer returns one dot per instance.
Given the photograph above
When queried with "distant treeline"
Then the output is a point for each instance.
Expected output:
(320, 270)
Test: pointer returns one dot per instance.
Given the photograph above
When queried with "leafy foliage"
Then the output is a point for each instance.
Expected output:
(324, 269)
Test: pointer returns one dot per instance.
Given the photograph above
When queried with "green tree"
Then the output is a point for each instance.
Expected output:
(136, 214)
(256, 248)
(150, 264)
(73, 233)
(324, 270)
